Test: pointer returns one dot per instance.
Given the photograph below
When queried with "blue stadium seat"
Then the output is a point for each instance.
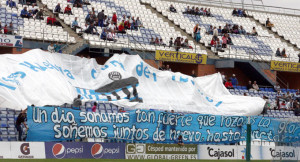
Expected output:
(4, 137)
(3, 124)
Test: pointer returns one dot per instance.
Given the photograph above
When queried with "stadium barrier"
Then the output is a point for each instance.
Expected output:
(96, 150)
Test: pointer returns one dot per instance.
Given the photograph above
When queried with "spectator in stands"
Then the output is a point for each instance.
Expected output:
(51, 20)
(215, 33)
(138, 23)
(21, 119)
(198, 35)
(77, 101)
(172, 8)
(68, 10)
(57, 47)
(229, 41)
(234, 80)
(156, 41)
(40, 15)
(171, 42)
(121, 28)
(24, 13)
(180, 141)
(10, 29)
(57, 9)
(249, 86)
(283, 54)
(5, 30)
(114, 18)
(234, 12)
(278, 53)
(177, 44)
(168, 69)
(33, 9)
(213, 42)
(111, 26)
(111, 36)
(193, 74)
(254, 32)
(277, 87)
(242, 30)
(161, 42)
(185, 44)
(228, 84)
(88, 19)
(195, 30)
(218, 44)
(210, 30)
(103, 35)
(220, 29)
(77, 3)
(101, 18)
(240, 12)
(208, 13)
(244, 13)
(152, 42)
(75, 25)
(269, 24)
(224, 41)
(91, 30)
(94, 107)
(11, 4)
(51, 48)
(297, 110)
(255, 86)
(30, 14)
(106, 21)
(187, 10)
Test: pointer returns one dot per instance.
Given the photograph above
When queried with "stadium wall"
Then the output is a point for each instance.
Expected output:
(292, 78)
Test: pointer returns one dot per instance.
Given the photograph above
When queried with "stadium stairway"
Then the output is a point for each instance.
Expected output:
(210, 54)
(274, 33)
(72, 49)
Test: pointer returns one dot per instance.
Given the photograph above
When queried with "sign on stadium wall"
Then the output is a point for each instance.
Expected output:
(84, 150)
(27, 150)
(11, 40)
(160, 151)
(285, 66)
(183, 57)
(238, 152)
(153, 126)
(5, 152)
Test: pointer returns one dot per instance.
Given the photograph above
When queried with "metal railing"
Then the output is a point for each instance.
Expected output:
(248, 6)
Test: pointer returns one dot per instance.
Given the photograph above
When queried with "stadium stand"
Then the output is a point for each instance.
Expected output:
(24, 26)
(154, 27)
(281, 24)
(244, 46)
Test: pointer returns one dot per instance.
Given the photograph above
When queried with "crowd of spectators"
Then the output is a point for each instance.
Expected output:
(239, 12)
(198, 11)
(281, 54)
(229, 28)
(165, 67)
(7, 29)
(288, 101)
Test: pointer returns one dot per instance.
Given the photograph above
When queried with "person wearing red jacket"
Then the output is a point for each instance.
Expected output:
(51, 20)
(114, 18)
(121, 28)
(68, 10)
(228, 84)
(213, 42)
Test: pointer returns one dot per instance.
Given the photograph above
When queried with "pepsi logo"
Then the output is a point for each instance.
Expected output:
(97, 151)
(59, 150)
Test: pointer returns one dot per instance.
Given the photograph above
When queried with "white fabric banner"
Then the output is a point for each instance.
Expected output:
(41, 78)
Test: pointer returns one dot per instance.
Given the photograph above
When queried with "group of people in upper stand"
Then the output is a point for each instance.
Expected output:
(197, 11)
(239, 12)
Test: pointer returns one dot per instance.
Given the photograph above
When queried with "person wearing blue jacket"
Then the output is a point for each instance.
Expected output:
(234, 80)
(24, 13)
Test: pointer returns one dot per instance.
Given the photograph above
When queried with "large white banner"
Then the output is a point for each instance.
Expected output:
(41, 78)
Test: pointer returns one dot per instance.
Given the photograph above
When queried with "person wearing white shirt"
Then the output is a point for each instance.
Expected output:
(51, 48)
(215, 32)
(111, 36)
(111, 26)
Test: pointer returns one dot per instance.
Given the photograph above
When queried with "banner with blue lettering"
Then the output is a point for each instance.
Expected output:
(42, 78)
(151, 126)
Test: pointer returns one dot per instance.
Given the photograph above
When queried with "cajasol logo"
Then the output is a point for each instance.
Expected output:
(220, 153)
(60, 151)
(282, 154)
